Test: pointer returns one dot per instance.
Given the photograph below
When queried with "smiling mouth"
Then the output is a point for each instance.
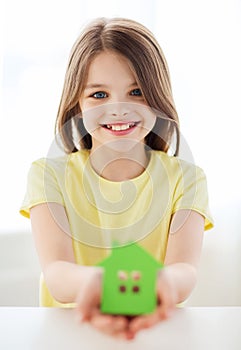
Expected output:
(120, 126)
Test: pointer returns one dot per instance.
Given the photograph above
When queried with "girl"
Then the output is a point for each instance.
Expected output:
(118, 180)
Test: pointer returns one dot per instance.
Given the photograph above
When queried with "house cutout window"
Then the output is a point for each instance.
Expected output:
(125, 276)
(122, 275)
(136, 275)
(122, 289)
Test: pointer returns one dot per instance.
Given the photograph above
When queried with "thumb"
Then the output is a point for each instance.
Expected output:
(89, 297)
(166, 294)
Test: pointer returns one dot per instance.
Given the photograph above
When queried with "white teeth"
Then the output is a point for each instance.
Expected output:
(120, 127)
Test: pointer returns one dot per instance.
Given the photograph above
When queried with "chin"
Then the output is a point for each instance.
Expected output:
(123, 145)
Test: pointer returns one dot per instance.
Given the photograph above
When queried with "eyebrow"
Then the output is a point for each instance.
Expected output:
(97, 85)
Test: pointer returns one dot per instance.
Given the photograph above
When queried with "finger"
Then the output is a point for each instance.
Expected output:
(166, 304)
(120, 323)
(142, 322)
(115, 326)
(102, 322)
(109, 324)
(89, 298)
(164, 309)
(87, 307)
(82, 317)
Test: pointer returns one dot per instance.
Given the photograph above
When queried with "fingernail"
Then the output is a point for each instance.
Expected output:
(130, 335)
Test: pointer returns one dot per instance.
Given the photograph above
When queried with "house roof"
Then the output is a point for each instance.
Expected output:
(131, 255)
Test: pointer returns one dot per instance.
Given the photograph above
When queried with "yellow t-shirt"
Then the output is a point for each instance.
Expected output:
(101, 212)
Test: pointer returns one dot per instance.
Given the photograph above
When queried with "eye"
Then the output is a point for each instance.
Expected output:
(136, 92)
(99, 94)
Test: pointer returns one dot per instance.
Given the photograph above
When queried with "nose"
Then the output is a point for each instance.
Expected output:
(119, 109)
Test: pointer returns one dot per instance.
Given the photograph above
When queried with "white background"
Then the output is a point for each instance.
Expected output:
(202, 43)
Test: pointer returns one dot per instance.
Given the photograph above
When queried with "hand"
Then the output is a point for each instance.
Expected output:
(167, 300)
(88, 307)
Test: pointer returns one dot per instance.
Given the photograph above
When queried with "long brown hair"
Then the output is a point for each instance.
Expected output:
(134, 41)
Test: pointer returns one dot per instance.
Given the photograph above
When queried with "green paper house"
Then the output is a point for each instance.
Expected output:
(129, 281)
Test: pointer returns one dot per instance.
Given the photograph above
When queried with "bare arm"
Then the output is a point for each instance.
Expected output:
(183, 251)
(54, 247)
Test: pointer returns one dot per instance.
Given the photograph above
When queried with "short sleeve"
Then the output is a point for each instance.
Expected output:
(42, 187)
(191, 193)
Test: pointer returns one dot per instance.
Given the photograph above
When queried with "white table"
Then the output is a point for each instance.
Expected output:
(216, 328)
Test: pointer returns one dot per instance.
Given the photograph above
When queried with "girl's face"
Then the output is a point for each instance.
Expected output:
(114, 111)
